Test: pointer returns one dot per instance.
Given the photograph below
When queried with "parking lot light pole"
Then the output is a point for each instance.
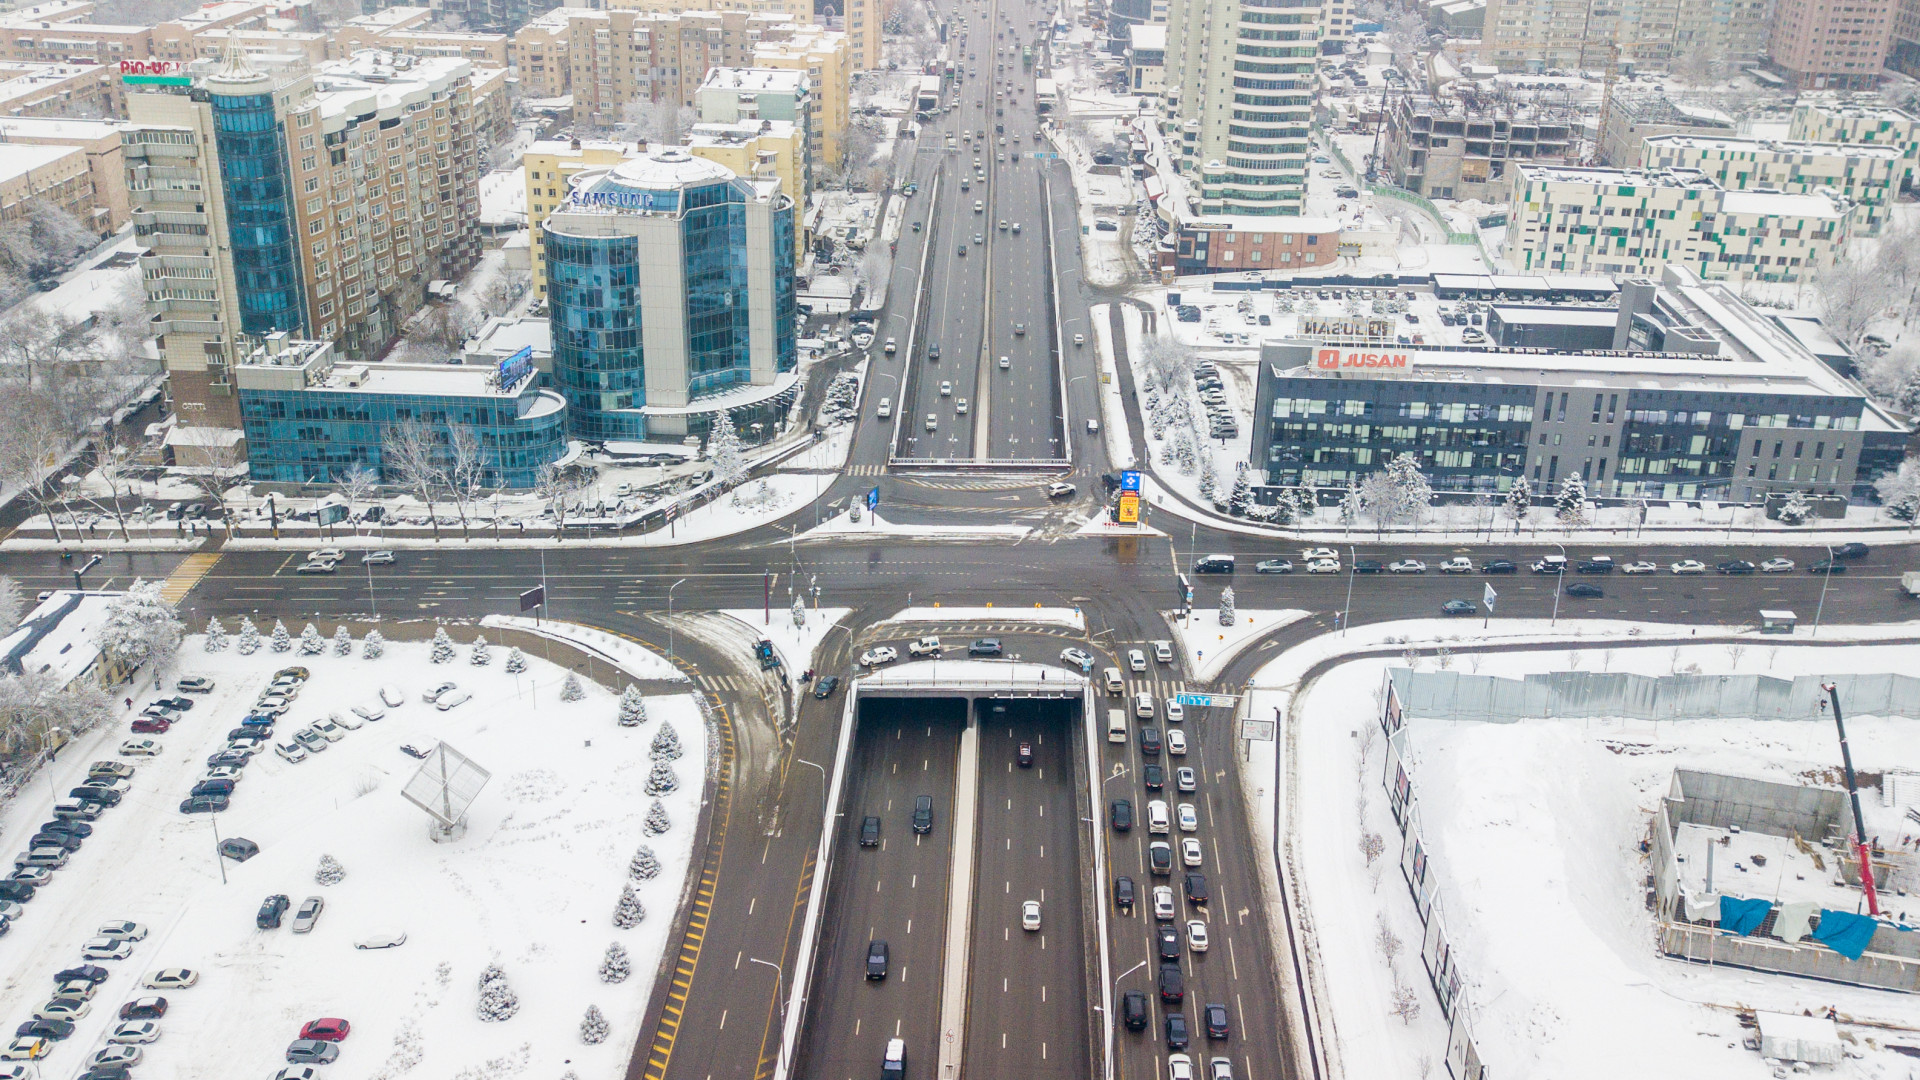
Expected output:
(670, 589)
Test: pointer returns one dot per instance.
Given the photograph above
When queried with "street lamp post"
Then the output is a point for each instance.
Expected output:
(1346, 615)
(670, 589)
(779, 984)
(1558, 581)
(823, 781)
(1825, 577)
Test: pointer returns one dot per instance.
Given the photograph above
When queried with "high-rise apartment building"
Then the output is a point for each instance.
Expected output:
(1831, 44)
(827, 58)
(1574, 35)
(1240, 77)
(99, 142)
(493, 16)
(733, 95)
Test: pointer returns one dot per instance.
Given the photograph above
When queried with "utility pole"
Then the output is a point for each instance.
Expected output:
(1853, 793)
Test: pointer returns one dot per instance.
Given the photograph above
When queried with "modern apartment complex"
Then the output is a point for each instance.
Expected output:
(1539, 35)
(1240, 78)
(739, 95)
(1866, 176)
(1631, 221)
(1839, 46)
(858, 20)
(104, 208)
(1831, 118)
(1672, 389)
(1454, 149)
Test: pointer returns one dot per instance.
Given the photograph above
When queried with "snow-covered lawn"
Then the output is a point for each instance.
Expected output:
(1208, 645)
(532, 885)
(1056, 616)
(874, 524)
(1533, 830)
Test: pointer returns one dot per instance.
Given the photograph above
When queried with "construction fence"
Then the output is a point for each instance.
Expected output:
(1584, 695)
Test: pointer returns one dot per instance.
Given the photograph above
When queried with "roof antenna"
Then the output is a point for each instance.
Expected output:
(235, 62)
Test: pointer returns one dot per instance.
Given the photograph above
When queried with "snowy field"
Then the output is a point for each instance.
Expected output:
(1533, 829)
(532, 885)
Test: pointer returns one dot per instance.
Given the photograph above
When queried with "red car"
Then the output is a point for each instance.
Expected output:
(149, 725)
(146, 1008)
(327, 1029)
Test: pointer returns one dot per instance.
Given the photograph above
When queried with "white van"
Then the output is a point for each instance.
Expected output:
(1093, 427)
(1137, 659)
(1116, 726)
(933, 422)
(1158, 820)
(894, 1065)
(886, 408)
(1143, 706)
(1115, 686)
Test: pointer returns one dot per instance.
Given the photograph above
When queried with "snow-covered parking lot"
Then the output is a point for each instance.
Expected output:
(532, 886)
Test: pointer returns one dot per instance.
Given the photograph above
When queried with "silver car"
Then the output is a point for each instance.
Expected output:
(308, 914)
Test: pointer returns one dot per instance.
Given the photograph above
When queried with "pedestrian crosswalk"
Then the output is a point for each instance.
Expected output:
(188, 574)
(866, 470)
(726, 684)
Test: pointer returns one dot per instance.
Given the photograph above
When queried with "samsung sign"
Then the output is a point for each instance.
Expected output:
(1328, 359)
(629, 200)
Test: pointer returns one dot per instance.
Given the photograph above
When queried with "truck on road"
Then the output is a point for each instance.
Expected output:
(1910, 581)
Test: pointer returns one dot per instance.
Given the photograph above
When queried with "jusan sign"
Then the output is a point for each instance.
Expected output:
(1361, 360)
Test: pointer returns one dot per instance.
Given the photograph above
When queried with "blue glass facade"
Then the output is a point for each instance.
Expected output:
(300, 436)
(599, 362)
(253, 176)
(714, 235)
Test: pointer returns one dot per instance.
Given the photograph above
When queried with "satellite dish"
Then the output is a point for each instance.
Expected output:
(446, 784)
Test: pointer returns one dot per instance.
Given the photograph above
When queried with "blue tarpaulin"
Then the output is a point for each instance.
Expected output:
(1742, 916)
(1844, 932)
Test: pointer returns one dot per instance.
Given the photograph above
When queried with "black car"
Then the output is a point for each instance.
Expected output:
(46, 1029)
(204, 804)
(1133, 1010)
(1168, 941)
(106, 1072)
(1123, 892)
(87, 973)
(1215, 1015)
(1121, 814)
(1176, 1031)
(1827, 566)
(1150, 741)
(923, 814)
(1153, 776)
(16, 892)
(986, 646)
(102, 795)
(271, 909)
(870, 831)
(1367, 566)
(826, 686)
(176, 703)
(1595, 566)
(1499, 566)
(1735, 566)
(1213, 564)
(63, 841)
(71, 828)
(1586, 590)
(876, 959)
(1196, 888)
(1173, 985)
(1024, 755)
(1459, 607)
(1160, 859)
(235, 758)
(222, 786)
(1854, 550)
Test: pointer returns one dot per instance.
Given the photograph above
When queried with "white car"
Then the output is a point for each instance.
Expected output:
(433, 695)
(1776, 566)
(391, 697)
(448, 701)
(140, 748)
(369, 712)
(116, 1055)
(135, 1031)
(132, 931)
(946, 389)
(1179, 1067)
(1689, 566)
(1323, 566)
(884, 654)
(1407, 566)
(308, 914)
(382, 557)
(392, 939)
(327, 555)
(1176, 712)
(1176, 742)
(106, 948)
(1459, 564)
(170, 979)
(1188, 819)
(1005, 363)
(1163, 902)
(290, 751)
(960, 406)
(328, 730)
(1079, 339)
(1641, 567)
(1060, 491)
(1196, 935)
(1319, 553)
(1030, 915)
(1190, 851)
(1076, 658)
(347, 720)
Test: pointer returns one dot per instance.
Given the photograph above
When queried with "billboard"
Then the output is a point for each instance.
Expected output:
(1333, 359)
(516, 368)
(154, 73)
(1129, 509)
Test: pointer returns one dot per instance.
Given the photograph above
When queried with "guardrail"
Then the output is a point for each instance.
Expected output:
(984, 464)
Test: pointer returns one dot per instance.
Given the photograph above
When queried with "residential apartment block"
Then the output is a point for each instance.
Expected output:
(405, 30)
(1454, 149)
(57, 175)
(1831, 44)
(827, 59)
(1538, 35)
(1630, 221)
(735, 95)
(859, 20)
(1831, 118)
(1240, 80)
(84, 91)
(105, 209)
(1866, 176)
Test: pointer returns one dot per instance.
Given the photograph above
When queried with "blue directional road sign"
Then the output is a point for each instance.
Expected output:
(1204, 701)
(873, 498)
(1130, 480)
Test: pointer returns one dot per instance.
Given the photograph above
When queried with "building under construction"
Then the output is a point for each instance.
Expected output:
(1462, 146)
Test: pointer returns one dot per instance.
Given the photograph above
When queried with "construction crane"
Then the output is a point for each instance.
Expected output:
(1859, 837)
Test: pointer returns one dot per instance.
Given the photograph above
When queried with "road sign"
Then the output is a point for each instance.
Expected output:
(1206, 701)
(1129, 509)
(873, 498)
(1257, 730)
(1130, 480)
(533, 598)
(1489, 597)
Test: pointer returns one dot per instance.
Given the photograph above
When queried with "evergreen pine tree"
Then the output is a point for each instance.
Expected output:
(329, 872)
(628, 914)
(657, 821)
(311, 643)
(645, 865)
(373, 646)
(516, 662)
(1242, 496)
(633, 708)
(571, 689)
(216, 636)
(593, 1028)
(1571, 505)
(282, 641)
(1227, 616)
(616, 967)
(1519, 500)
(249, 637)
(342, 641)
(442, 647)
(497, 999)
(661, 780)
(799, 612)
(666, 743)
(482, 653)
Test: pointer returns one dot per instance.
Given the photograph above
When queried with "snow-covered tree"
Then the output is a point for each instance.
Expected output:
(216, 636)
(442, 647)
(628, 913)
(482, 653)
(1209, 483)
(141, 626)
(1519, 500)
(311, 643)
(1412, 493)
(34, 703)
(1796, 510)
(1900, 491)
(1570, 506)
(661, 781)
(1242, 496)
(329, 872)
(282, 641)
(593, 1027)
(615, 967)
(723, 449)
(666, 743)
(12, 604)
(1227, 616)
(645, 865)
(373, 646)
(497, 999)
(799, 611)
(342, 641)
(571, 690)
(633, 707)
(516, 662)
(249, 637)
(657, 821)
